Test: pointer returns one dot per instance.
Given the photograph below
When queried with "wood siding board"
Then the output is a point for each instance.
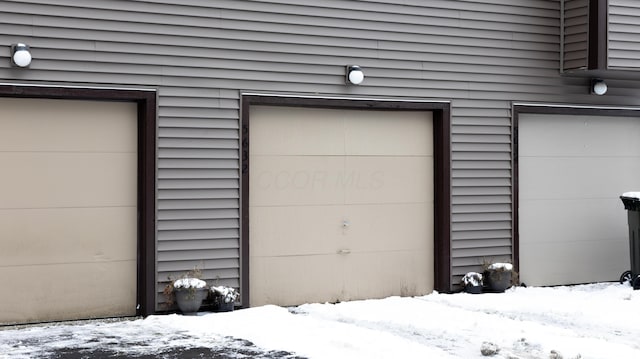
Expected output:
(481, 217)
(197, 163)
(496, 242)
(197, 234)
(201, 139)
(178, 267)
(483, 173)
(472, 182)
(478, 190)
(187, 244)
(215, 130)
(198, 224)
(484, 225)
(480, 199)
(197, 183)
(482, 252)
(194, 153)
(623, 30)
(480, 235)
(480, 156)
(188, 124)
(198, 214)
(198, 203)
(196, 174)
(480, 209)
(481, 164)
(196, 193)
(196, 255)
(576, 34)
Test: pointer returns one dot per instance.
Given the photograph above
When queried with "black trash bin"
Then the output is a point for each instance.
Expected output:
(632, 205)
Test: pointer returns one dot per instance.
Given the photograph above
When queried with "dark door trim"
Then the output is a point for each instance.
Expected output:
(548, 109)
(146, 100)
(442, 170)
(598, 24)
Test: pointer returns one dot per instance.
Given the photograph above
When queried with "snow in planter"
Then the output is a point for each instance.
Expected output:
(189, 283)
(500, 266)
(228, 293)
(472, 278)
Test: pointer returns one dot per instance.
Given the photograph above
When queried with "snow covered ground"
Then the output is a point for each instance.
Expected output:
(587, 321)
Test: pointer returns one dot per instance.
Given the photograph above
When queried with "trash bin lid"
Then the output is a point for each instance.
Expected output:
(631, 201)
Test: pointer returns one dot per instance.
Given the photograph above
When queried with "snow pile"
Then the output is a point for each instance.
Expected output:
(489, 349)
(631, 195)
(588, 321)
(500, 266)
(472, 278)
(229, 294)
(189, 283)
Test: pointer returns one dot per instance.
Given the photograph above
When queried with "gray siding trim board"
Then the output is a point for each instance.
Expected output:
(575, 35)
(623, 30)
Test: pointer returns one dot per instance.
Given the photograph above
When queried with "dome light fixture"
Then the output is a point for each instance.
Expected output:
(598, 87)
(20, 55)
(355, 75)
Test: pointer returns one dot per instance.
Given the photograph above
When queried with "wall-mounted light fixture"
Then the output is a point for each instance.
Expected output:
(355, 75)
(598, 87)
(20, 55)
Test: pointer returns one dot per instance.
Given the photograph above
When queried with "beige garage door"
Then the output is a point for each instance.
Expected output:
(341, 204)
(572, 170)
(67, 209)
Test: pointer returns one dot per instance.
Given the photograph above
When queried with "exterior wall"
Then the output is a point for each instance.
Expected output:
(601, 34)
(576, 34)
(480, 55)
(623, 35)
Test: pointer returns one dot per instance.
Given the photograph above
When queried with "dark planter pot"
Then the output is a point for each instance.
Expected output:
(473, 289)
(219, 305)
(497, 280)
(190, 300)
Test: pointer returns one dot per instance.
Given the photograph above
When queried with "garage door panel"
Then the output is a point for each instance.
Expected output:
(563, 177)
(562, 262)
(68, 209)
(102, 126)
(298, 279)
(273, 132)
(579, 135)
(572, 170)
(297, 180)
(75, 290)
(396, 133)
(383, 274)
(69, 235)
(67, 180)
(574, 221)
(378, 179)
(300, 249)
(389, 227)
(298, 230)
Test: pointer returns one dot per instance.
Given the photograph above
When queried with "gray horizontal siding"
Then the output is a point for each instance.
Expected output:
(624, 35)
(576, 34)
(480, 55)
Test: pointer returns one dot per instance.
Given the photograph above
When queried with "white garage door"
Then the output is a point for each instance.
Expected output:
(341, 204)
(572, 170)
(67, 209)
